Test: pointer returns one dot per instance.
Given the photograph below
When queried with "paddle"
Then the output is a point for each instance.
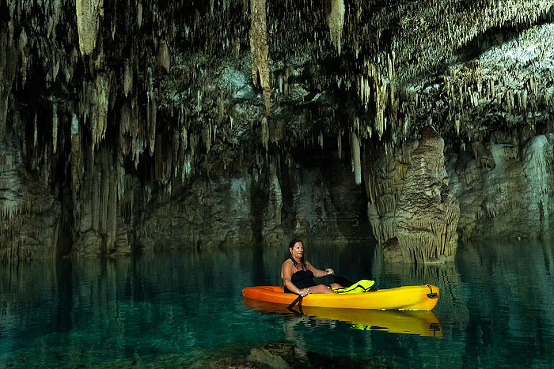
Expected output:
(342, 281)
(296, 300)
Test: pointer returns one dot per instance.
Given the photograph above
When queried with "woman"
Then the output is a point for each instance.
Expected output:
(298, 274)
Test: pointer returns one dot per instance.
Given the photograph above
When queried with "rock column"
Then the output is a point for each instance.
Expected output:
(427, 214)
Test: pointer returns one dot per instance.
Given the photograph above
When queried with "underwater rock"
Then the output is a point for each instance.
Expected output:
(283, 355)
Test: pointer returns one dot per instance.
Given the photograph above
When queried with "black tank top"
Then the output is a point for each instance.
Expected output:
(302, 279)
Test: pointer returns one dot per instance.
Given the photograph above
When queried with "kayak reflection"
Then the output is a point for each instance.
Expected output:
(423, 323)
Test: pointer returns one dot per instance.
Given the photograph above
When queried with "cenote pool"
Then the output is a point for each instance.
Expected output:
(496, 310)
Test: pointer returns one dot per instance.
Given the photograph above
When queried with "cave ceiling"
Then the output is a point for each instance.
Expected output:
(198, 79)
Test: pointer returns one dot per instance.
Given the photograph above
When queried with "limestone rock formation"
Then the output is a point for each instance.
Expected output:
(510, 200)
(31, 216)
(131, 116)
(427, 214)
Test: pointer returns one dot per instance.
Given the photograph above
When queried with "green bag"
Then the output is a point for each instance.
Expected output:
(361, 286)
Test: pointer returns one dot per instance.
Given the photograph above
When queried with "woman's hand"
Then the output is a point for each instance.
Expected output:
(304, 292)
(329, 271)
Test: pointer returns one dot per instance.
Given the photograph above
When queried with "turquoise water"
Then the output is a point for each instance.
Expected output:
(496, 310)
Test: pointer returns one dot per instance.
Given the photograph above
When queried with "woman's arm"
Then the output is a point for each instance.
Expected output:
(318, 273)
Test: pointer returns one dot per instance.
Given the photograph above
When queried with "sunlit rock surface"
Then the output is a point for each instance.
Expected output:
(140, 122)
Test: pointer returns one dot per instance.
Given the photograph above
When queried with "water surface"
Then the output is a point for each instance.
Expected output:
(496, 309)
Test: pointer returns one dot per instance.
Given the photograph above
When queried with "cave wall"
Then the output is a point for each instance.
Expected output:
(314, 198)
(509, 197)
(30, 227)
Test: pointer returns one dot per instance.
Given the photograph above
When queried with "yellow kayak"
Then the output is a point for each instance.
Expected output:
(423, 323)
(423, 297)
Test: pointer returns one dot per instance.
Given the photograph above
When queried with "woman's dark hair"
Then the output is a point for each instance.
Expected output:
(291, 245)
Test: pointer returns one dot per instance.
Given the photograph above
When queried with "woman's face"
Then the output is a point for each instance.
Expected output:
(297, 250)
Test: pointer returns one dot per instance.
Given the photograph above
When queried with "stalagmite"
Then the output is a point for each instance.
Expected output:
(356, 162)
(260, 50)
(335, 21)
(89, 15)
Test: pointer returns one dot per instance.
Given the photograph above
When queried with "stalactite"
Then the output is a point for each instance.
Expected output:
(457, 125)
(265, 133)
(207, 136)
(164, 57)
(335, 22)
(54, 127)
(272, 213)
(260, 49)
(193, 143)
(124, 129)
(187, 168)
(76, 156)
(98, 96)
(22, 44)
(151, 111)
(163, 159)
(524, 100)
(356, 162)
(380, 105)
(35, 132)
(339, 144)
(178, 153)
(127, 78)
(89, 14)
(137, 136)
(139, 14)
(4, 94)
(184, 138)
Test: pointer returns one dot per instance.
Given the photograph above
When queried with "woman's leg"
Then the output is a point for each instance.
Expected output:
(321, 288)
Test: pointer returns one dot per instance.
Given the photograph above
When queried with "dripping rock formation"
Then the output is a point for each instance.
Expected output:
(139, 125)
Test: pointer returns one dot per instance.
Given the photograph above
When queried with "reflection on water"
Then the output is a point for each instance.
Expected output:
(495, 310)
(423, 323)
